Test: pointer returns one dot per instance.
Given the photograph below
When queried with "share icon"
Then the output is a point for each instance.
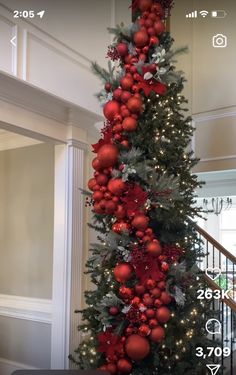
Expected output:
(213, 368)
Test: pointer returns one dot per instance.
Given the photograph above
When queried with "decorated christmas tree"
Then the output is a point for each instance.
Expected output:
(143, 316)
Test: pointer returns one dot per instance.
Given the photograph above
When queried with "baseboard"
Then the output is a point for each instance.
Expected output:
(8, 367)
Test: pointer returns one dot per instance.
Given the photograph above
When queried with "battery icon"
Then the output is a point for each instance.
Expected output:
(218, 14)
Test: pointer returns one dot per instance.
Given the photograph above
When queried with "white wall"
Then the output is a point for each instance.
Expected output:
(211, 86)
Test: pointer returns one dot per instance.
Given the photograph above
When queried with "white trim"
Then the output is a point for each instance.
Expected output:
(8, 367)
(219, 158)
(61, 266)
(215, 114)
(26, 308)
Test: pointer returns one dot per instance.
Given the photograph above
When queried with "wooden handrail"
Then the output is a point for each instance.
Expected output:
(228, 301)
(216, 244)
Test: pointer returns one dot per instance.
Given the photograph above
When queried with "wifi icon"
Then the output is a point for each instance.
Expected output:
(204, 13)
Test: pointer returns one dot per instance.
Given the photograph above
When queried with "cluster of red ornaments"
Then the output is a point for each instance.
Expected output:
(146, 302)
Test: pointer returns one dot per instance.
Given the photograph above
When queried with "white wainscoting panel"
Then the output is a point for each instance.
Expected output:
(35, 309)
(8, 60)
(8, 367)
(63, 73)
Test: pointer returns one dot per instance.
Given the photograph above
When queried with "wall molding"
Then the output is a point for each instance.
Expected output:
(26, 308)
(214, 114)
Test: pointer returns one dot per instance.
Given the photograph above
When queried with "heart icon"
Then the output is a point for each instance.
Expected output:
(213, 273)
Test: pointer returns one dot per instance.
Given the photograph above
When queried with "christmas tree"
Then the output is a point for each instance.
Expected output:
(143, 316)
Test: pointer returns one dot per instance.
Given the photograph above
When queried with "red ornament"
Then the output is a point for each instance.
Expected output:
(114, 310)
(157, 334)
(123, 272)
(140, 222)
(150, 284)
(116, 186)
(154, 248)
(111, 367)
(117, 94)
(156, 292)
(147, 300)
(124, 366)
(107, 156)
(120, 212)
(158, 10)
(137, 347)
(91, 183)
(111, 109)
(150, 313)
(163, 314)
(161, 285)
(144, 330)
(154, 40)
(166, 298)
(120, 226)
(97, 196)
(145, 5)
(110, 207)
(134, 105)
(151, 31)
(158, 303)
(126, 83)
(159, 27)
(125, 293)
(139, 289)
(165, 267)
(108, 86)
(153, 323)
(141, 38)
(125, 96)
(96, 164)
(136, 301)
(129, 124)
(98, 209)
(122, 49)
(102, 179)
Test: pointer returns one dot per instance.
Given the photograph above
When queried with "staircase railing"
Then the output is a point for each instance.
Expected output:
(221, 275)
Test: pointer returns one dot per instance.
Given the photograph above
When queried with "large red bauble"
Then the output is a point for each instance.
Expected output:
(107, 156)
(123, 272)
(96, 164)
(102, 179)
(134, 105)
(129, 124)
(124, 366)
(116, 186)
(165, 298)
(158, 10)
(154, 40)
(141, 38)
(157, 334)
(120, 212)
(153, 323)
(163, 314)
(140, 222)
(154, 247)
(110, 207)
(91, 183)
(125, 96)
(150, 284)
(139, 289)
(161, 285)
(126, 83)
(159, 27)
(122, 49)
(137, 347)
(120, 226)
(111, 109)
(145, 5)
(147, 300)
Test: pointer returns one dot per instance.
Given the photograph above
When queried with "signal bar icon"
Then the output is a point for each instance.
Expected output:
(192, 14)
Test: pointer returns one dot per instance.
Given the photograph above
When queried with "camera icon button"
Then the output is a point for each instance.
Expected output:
(219, 41)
